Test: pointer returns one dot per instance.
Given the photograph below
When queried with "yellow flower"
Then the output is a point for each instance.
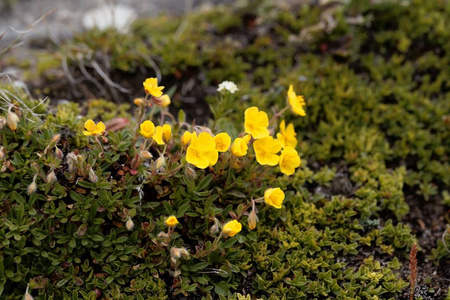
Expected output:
(223, 141)
(266, 150)
(256, 122)
(94, 129)
(202, 151)
(231, 228)
(151, 87)
(147, 129)
(171, 221)
(162, 134)
(274, 197)
(289, 160)
(164, 100)
(186, 138)
(296, 102)
(240, 147)
(287, 136)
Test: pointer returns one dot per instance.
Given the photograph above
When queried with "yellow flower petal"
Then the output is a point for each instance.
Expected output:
(90, 125)
(186, 138)
(166, 133)
(158, 136)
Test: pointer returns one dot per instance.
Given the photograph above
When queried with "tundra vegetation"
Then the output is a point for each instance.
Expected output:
(255, 151)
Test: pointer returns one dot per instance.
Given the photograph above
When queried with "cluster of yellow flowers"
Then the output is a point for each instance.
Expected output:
(203, 148)
(160, 134)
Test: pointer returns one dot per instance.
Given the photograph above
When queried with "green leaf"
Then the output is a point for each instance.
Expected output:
(204, 184)
(198, 267)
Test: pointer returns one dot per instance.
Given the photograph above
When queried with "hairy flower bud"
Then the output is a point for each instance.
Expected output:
(2, 122)
(32, 188)
(55, 138)
(176, 253)
(129, 224)
(190, 172)
(145, 154)
(215, 228)
(27, 295)
(92, 176)
(59, 153)
(12, 119)
(2, 152)
(252, 219)
(160, 162)
(51, 176)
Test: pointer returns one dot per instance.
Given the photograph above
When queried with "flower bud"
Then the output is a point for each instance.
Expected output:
(190, 172)
(32, 188)
(59, 153)
(176, 253)
(2, 152)
(160, 162)
(164, 100)
(51, 176)
(215, 228)
(55, 138)
(2, 122)
(27, 296)
(129, 224)
(252, 219)
(12, 119)
(145, 154)
(92, 176)
(139, 101)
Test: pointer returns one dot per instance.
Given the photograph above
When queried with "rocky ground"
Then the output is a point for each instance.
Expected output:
(59, 19)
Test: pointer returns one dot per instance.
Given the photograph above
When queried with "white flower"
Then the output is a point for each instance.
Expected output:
(229, 86)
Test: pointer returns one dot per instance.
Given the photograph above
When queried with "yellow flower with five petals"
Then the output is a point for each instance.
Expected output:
(274, 197)
(240, 146)
(289, 161)
(151, 87)
(231, 228)
(94, 129)
(171, 221)
(266, 150)
(287, 135)
(147, 129)
(202, 151)
(223, 141)
(256, 122)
